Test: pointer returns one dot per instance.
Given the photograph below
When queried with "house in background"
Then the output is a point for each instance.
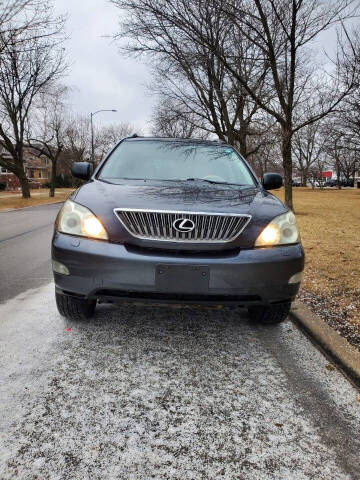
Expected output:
(11, 181)
(37, 170)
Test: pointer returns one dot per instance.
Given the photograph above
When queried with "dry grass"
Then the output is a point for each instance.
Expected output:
(329, 222)
(38, 197)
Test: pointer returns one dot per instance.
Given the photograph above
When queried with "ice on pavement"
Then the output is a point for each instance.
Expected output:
(144, 392)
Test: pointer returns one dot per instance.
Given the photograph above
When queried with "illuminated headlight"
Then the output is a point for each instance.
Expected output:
(282, 230)
(75, 219)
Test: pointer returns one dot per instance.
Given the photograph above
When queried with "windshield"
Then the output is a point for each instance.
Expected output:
(174, 160)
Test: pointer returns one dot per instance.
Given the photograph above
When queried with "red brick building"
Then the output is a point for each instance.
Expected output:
(37, 170)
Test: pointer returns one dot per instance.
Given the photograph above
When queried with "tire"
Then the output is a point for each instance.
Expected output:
(271, 314)
(74, 308)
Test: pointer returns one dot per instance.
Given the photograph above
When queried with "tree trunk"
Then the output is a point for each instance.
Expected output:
(287, 164)
(53, 177)
(242, 144)
(24, 183)
(338, 174)
(304, 178)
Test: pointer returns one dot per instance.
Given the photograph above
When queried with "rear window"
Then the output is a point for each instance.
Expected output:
(171, 160)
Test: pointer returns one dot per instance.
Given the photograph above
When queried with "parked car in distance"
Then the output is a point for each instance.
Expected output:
(176, 221)
(343, 183)
(296, 183)
(331, 183)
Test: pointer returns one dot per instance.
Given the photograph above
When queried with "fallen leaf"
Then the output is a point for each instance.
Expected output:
(330, 367)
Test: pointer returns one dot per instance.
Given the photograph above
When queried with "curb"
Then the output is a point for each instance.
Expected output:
(337, 347)
(30, 206)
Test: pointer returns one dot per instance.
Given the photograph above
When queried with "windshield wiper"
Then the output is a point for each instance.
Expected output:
(143, 179)
(175, 180)
(112, 180)
(214, 182)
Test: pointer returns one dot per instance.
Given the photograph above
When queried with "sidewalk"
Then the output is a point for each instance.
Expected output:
(33, 194)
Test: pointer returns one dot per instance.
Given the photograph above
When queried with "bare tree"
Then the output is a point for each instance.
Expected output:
(107, 136)
(77, 137)
(342, 147)
(170, 121)
(18, 16)
(30, 61)
(266, 155)
(349, 160)
(283, 31)
(49, 123)
(342, 132)
(192, 83)
(308, 145)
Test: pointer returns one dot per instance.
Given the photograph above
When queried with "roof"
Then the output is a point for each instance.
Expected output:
(327, 174)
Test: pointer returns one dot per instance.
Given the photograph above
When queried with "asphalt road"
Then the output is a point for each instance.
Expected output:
(143, 392)
(25, 237)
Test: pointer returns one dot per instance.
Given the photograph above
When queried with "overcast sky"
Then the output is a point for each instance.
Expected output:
(101, 77)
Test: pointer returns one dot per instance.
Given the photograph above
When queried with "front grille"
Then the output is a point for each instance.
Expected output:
(165, 225)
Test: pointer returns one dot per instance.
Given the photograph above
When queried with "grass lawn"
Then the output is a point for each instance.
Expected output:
(329, 223)
(38, 197)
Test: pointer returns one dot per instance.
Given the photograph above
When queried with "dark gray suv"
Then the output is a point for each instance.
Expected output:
(176, 221)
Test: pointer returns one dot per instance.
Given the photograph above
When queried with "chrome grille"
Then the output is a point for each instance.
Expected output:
(159, 225)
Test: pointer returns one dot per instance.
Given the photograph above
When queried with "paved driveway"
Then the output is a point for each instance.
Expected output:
(25, 237)
(153, 392)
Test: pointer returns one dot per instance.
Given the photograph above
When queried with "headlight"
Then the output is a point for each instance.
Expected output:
(282, 230)
(78, 220)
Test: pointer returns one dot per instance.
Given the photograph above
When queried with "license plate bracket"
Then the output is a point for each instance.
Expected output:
(182, 278)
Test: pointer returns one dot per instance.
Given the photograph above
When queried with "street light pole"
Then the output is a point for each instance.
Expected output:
(92, 133)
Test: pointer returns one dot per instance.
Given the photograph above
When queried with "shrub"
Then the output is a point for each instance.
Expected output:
(2, 186)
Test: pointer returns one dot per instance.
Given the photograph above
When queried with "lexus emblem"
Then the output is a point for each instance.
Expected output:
(184, 225)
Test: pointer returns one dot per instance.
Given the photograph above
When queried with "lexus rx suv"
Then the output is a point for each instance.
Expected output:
(176, 221)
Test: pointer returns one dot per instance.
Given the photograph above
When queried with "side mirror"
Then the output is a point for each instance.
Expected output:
(82, 170)
(271, 181)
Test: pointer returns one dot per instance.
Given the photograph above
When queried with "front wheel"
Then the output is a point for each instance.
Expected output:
(74, 308)
(270, 314)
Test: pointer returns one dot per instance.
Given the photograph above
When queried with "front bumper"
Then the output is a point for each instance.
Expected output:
(117, 272)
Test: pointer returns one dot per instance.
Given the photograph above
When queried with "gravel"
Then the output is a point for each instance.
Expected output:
(336, 316)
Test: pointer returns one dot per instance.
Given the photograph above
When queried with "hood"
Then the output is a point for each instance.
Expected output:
(102, 198)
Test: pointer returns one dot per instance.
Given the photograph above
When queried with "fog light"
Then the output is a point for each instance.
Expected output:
(60, 268)
(296, 278)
